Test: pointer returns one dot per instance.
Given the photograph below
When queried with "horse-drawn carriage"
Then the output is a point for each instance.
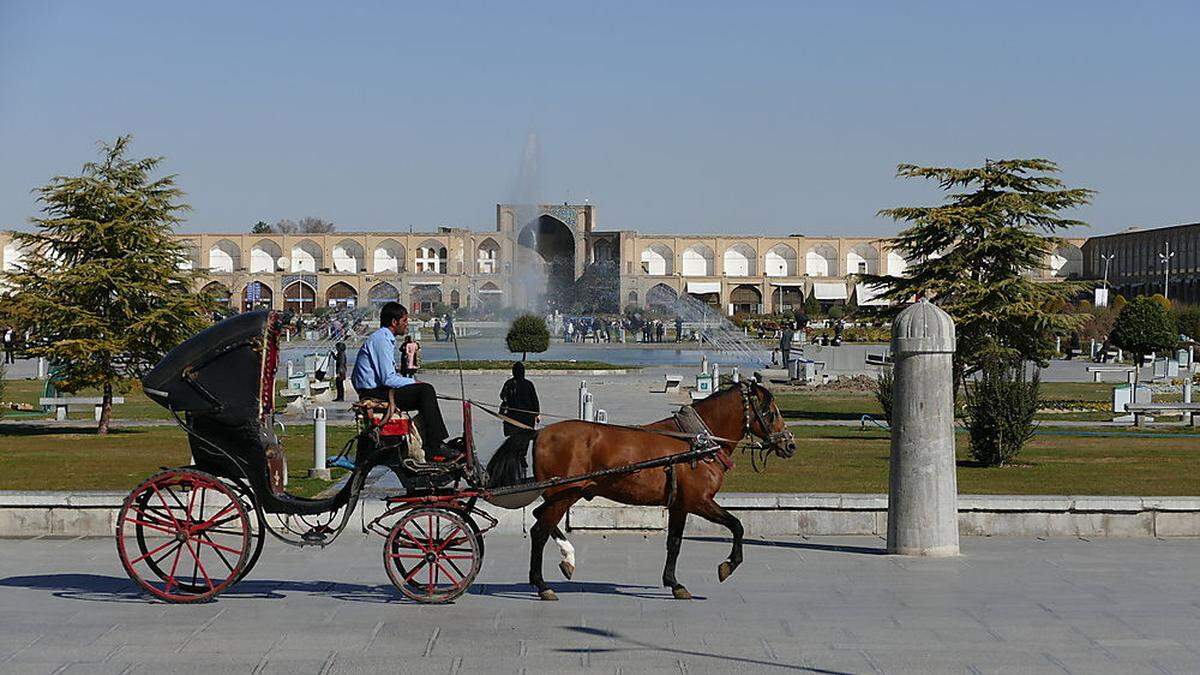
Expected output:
(187, 534)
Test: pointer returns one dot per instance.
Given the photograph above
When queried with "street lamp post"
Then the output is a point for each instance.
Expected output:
(1165, 257)
(1107, 259)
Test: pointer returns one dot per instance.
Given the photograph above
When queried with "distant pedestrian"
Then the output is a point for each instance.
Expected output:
(679, 329)
(409, 357)
(785, 343)
(659, 330)
(449, 328)
(519, 401)
(10, 344)
(339, 370)
(437, 329)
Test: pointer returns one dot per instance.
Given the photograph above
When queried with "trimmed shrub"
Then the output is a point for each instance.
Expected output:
(1000, 406)
(883, 392)
(1144, 326)
(528, 333)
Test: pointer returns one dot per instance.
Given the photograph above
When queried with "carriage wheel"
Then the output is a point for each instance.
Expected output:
(184, 536)
(432, 555)
(258, 532)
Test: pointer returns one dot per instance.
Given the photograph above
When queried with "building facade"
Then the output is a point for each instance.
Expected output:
(536, 250)
(1144, 262)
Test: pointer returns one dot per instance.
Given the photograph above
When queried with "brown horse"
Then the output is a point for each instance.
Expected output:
(575, 448)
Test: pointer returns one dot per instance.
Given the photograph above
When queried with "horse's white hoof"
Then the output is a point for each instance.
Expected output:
(548, 595)
(681, 593)
(567, 569)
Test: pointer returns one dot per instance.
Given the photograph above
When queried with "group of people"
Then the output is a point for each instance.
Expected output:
(443, 328)
(375, 375)
(584, 329)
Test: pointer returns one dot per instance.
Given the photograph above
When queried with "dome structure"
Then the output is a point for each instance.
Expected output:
(922, 328)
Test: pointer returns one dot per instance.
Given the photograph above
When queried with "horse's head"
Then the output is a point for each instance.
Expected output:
(763, 419)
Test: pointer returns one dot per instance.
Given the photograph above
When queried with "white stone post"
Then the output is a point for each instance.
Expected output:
(589, 408)
(922, 484)
(583, 394)
(735, 375)
(319, 469)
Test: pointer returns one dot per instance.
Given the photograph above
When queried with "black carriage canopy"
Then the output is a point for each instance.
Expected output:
(219, 371)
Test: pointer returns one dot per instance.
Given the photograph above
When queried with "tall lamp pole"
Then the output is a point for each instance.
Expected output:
(1165, 257)
(1107, 259)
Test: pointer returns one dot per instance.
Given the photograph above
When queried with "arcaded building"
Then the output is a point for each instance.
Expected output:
(538, 252)
(1144, 262)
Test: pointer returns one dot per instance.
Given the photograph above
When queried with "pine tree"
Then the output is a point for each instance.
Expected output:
(100, 288)
(976, 254)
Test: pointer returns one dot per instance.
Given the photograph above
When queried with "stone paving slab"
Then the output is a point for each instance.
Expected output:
(816, 605)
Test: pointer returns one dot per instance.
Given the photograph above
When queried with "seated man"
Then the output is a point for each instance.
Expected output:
(375, 373)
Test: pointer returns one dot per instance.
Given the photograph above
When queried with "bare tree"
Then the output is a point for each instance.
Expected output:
(313, 225)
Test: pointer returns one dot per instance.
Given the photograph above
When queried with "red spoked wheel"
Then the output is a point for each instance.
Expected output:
(432, 555)
(184, 536)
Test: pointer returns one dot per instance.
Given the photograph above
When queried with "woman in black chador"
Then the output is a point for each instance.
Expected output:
(519, 402)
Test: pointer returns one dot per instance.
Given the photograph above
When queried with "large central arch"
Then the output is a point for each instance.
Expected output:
(546, 261)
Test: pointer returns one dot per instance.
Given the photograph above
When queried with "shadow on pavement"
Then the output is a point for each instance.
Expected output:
(805, 545)
(104, 588)
(635, 645)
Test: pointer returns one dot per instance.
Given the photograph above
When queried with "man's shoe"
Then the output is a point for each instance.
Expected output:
(446, 452)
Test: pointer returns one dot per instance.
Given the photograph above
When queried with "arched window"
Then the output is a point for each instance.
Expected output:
(224, 256)
(307, 257)
(341, 296)
(740, 261)
(347, 257)
(896, 263)
(264, 257)
(821, 261)
(431, 258)
(218, 293)
(698, 261)
(658, 260)
(256, 295)
(299, 298)
(13, 255)
(862, 259)
(487, 259)
(661, 295)
(383, 293)
(388, 257)
(781, 261)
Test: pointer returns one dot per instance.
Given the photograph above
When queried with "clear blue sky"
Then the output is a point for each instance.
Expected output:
(671, 117)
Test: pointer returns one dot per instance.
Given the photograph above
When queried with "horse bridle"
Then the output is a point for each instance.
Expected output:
(771, 441)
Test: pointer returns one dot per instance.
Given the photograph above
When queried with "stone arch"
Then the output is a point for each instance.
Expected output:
(1067, 261)
(299, 297)
(341, 296)
(698, 261)
(781, 261)
(13, 256)
(548, 244)
(658, 260)
(455, 298)
(224, 256)
(487, 257)
(256, 295)
(746, 299)
(632, 299)
(307, 256)
(432, 257)
(821, 261)
(602, 251)
(490, 295)
(740, 261)
(218, 292)
(897, 264)
(264, 257)
(862, 259)
(661, 295)
(348, 257)
(389, 256)
(425, 298)
(382, 293)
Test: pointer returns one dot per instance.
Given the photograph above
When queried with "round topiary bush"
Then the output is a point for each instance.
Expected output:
(528, 333)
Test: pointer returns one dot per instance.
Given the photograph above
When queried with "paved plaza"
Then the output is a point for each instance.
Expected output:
(827, 605)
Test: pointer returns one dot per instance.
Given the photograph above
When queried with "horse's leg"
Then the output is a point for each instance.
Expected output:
(712, 512)
(548, 515)
(675, 523)
(567, 564)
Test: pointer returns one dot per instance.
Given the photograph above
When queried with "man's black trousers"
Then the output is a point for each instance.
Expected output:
(421, 398)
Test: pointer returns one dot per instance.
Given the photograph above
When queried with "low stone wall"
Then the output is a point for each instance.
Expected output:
(978, 515)
(27, 514)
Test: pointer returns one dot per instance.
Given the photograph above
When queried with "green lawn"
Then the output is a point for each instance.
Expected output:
(137, 405)
(830, 459)
(842, 459)
(48, 459)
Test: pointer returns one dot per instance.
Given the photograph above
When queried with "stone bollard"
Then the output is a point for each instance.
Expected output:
(922, 484)
(319, 469)
(583, 394)
(589, 408)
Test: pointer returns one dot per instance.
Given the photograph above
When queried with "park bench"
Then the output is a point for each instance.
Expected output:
(62, 403)
(1098, 371)
(1145, 412)
(673, 382)
(879, 359)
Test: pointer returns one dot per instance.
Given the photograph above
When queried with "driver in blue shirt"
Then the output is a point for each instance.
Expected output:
(375, 373)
